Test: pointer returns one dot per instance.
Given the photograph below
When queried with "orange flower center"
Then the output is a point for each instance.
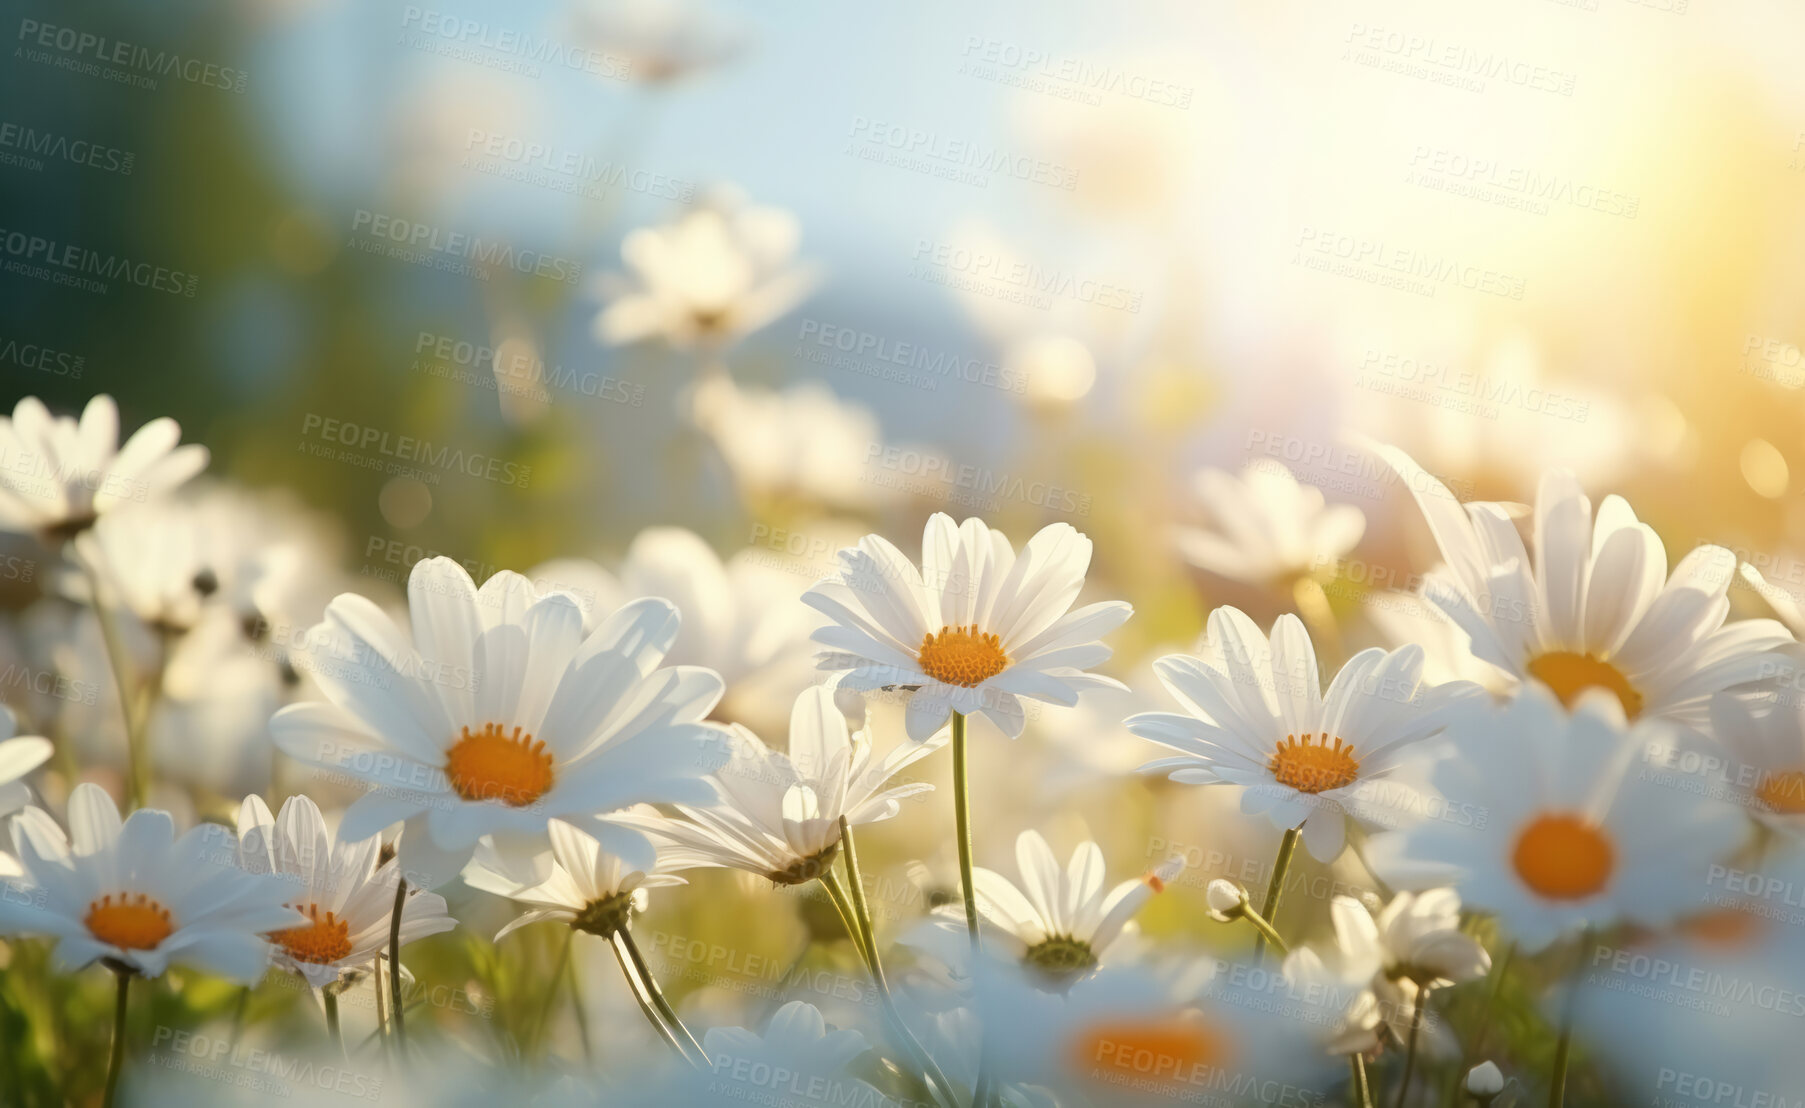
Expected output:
(1784, 793)
(493, 765)
(324, 940)
(1562, 857)
(1170, 1051)
(962, 656)
(1570, 674)
(1310, 767)
(132, 921)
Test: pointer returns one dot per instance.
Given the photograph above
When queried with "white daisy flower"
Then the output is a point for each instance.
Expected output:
(1134, 1035)
(136, 896)
(801, 442)
(1060, 922)
(58, 476)
(589, 889)
(1764, 735)
(1568, 830)
(778, 814)
(1385, 966)
(348, 899)
(814, 1061)
(1589, 603)
(974, 629)
(659, 41)
(1256, 716)
(19, 756)
(1783, 604)
(1266, 528)
(500, 715)
(716, 273)
(740, 618)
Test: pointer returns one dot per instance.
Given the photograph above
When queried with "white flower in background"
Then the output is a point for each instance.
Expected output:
(1783, 604)
(719, 271)
(1055, 371)
(1139, 1035)
(19, 756)
(1485, 1081)
(135, 894)
(742, 618)
(974, 629)
(1489, 410)
(1255, 715)
(589, 889)
(659, 41)
(1404, 618)
(1589, 604)
(1266, 529)
(797, 1042)
(1565, 830)
(349, 900)
(1383, 968)
(58, 476)
(778, 814)
(500, 715)
(1060, 922)
(801, 442)
(1764, 735)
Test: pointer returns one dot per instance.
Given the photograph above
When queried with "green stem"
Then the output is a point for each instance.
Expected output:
(861, 919)
(1557, 1089)
(1269, 909)
(238, 1011)
(382, 1006)
(1362, 1092)
(577, 1009)
(136, 776)
(1268, 933)
(641, 994)
(657, 994)
(117, 1061)
(332, 1028)
(1496, 985)
(398, 1025)
(551, 990)
(1416, 1025)
(962, 822)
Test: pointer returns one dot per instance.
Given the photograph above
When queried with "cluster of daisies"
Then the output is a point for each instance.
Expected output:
(573, 740)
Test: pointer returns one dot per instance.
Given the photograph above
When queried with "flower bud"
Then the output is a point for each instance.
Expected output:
(1225, 898)
(1485, 1081)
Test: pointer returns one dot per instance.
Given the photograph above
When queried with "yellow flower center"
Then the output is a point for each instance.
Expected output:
(962, 656)
(1783, 793)
(493, 765)
(1570, 674)
(1562, 857)
(1171, 1051)
(129, 922)
(324, 940)
(1310, 767)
